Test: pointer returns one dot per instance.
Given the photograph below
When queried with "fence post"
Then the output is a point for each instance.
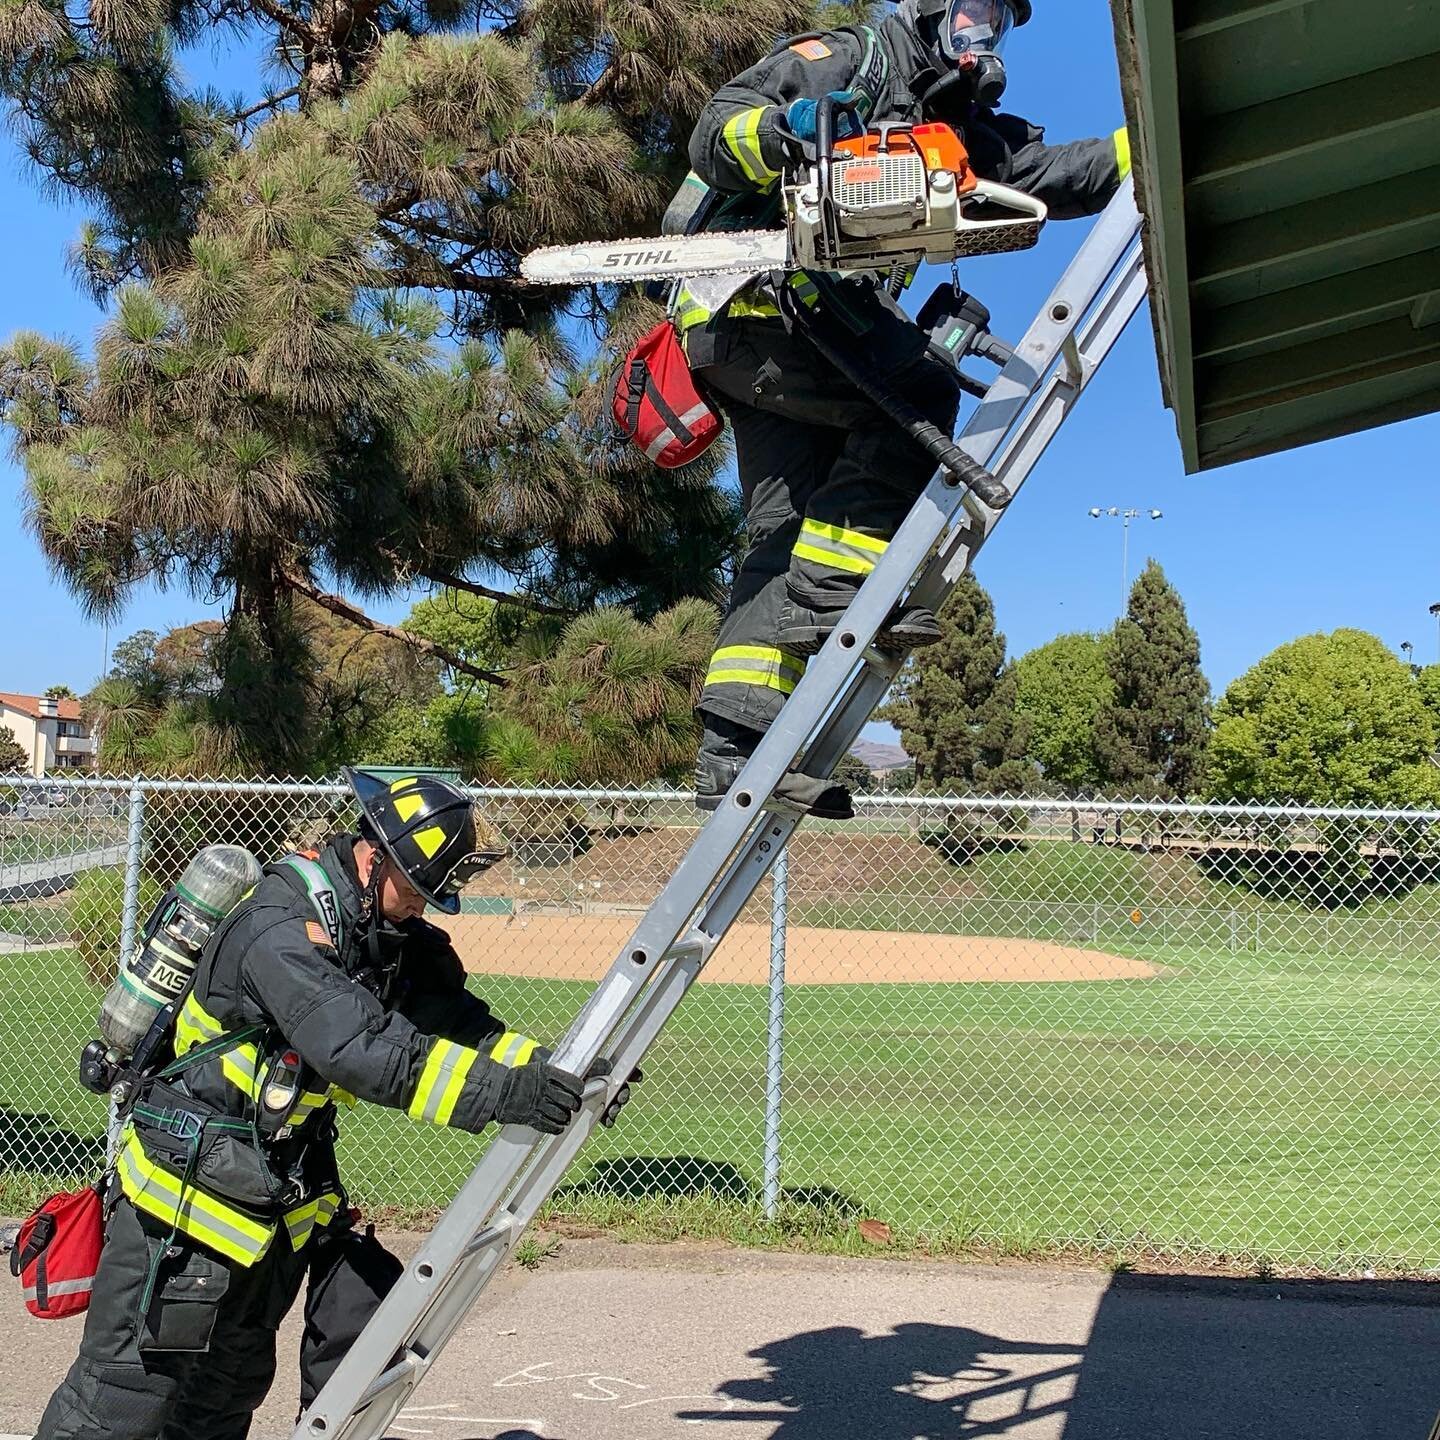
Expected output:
(129, 906)
(775, 1029)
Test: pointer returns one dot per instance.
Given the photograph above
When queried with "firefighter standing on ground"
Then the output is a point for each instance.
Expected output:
(825, 476)
(226, 1192)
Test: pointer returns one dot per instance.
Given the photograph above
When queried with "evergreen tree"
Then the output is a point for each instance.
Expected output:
(954, 703)
(320, 368)
(12, 753)
(1151, 737)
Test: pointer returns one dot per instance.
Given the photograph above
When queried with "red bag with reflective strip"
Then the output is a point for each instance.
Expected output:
(655, 404)
(57, 1251)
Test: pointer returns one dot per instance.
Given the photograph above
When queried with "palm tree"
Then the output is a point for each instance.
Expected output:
(122, 722)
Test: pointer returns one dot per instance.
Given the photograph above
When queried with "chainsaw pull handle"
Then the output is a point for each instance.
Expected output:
(826, 109)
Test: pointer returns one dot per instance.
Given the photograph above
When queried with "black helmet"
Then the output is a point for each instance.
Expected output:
(427, 828)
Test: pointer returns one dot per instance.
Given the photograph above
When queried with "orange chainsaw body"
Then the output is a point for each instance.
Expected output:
(939, 146)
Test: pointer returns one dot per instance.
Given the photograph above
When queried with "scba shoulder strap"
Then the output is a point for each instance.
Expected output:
(321, 890)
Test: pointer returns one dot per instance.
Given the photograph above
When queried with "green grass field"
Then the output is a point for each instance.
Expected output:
(1272, 1103)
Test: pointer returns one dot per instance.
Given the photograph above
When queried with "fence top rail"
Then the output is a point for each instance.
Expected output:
(874, 805)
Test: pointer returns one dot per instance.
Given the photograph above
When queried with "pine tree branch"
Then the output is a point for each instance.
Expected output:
(407, 277)
(337, 605)
(502, 597)
(286, 19)
(269, 103)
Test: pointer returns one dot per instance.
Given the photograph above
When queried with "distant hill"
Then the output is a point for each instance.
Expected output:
(879, 757)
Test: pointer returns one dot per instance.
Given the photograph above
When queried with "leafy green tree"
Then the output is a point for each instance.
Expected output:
(955, 703)
(1326, 720)
(853, 772)
(1062, 688)
(320, 371)
(1151, 736)
(12, 753)
(1428, 682)
(60, 692)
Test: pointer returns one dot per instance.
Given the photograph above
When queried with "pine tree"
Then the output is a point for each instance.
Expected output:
(320, 369)
(954, 703)
(1151, 737)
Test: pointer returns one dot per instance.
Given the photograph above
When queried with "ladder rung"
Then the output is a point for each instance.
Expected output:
(387, 1380)
(696, 942)
(491, 1234)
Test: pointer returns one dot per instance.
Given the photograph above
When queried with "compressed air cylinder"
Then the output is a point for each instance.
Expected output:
(160, 968)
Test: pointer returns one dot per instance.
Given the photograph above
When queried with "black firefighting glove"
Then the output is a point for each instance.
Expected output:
(600, 1069)
(539, 1095)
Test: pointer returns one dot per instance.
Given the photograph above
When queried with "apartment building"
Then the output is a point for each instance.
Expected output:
(51, 732)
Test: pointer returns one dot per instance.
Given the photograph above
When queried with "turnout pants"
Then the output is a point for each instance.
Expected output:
(201, 1357)
(826, 479)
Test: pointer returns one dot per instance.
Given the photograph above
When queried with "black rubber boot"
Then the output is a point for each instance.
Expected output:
(724, 750)
(803, 630)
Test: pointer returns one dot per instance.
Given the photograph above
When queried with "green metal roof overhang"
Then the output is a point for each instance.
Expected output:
(1287, 159)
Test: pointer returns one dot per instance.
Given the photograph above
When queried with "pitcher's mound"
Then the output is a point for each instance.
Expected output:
(582, 947)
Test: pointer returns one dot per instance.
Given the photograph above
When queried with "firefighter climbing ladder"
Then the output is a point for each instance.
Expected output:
(1008, 432)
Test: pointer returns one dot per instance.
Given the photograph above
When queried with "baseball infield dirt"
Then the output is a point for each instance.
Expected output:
(581, 947)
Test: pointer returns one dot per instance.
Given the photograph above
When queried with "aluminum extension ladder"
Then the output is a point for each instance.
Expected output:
(1008, 432)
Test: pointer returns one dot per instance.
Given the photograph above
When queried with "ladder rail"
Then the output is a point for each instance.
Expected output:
(622, 1017)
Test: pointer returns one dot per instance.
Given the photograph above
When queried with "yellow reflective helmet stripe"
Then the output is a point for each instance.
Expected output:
(408, 806)
(741, 137)
(837, 548)
(441, 1081)
(513, 1049)
(429, 840)
(403, 784)
(156, 1191)
(1122, 151)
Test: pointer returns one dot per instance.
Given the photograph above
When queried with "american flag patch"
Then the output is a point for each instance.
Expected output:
(812, 49)
(318, 933)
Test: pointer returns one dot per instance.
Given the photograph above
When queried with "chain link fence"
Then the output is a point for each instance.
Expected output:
(1198, 1032)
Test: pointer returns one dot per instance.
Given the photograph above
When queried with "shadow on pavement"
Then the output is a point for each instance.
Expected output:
(1190, 1358)
(916, 1381)
(1178, 1358)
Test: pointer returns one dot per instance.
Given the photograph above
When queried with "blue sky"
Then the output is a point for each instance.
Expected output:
(1335, 534)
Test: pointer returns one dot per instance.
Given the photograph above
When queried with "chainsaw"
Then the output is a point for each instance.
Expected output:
(890, 197)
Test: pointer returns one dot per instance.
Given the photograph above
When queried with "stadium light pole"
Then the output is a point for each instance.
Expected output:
(1125, 516)
(1435, 611)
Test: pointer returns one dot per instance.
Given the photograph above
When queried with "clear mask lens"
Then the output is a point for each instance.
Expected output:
(976, 25)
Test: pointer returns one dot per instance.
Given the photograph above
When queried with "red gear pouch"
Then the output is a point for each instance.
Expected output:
(57, 1251)
(656, 405)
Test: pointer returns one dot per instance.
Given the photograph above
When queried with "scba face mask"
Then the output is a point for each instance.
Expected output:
(972, 37)
(966, 39)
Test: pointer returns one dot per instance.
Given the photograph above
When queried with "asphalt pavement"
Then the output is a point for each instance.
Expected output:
(612, 1342)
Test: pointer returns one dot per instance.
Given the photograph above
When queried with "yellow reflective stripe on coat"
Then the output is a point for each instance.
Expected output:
(1122, 151)
(195, 1025)
(156, 1191)
(838, 548)
(689, 312)
(441, 1082)
(742, 138)
(513, 1049)
(304, 1220)
(755, 665)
